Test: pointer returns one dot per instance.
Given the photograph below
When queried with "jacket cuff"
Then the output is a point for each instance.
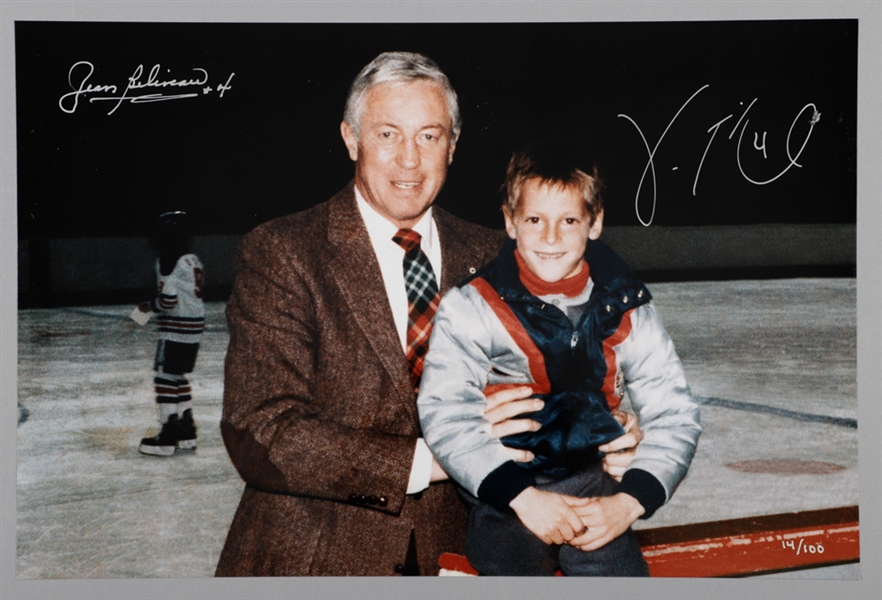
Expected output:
(503, 485)
(645, 488)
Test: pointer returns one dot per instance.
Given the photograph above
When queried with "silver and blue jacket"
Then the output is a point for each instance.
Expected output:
(490, 333)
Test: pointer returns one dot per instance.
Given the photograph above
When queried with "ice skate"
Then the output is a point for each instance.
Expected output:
(166, 441)
(187, 432)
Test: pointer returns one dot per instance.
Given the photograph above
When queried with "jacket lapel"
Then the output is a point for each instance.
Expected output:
(355, 269)
(459, 257)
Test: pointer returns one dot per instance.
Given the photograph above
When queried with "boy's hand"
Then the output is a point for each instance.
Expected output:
(605, 518)
(548, 515)
(144, 307)
(620, 452)
(501, 409)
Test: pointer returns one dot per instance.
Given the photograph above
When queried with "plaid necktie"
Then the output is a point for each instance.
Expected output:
(422, 300)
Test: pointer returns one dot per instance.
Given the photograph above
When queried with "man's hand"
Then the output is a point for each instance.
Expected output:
(605, 519)
(501, 409)
(548, 515)
(620, 452)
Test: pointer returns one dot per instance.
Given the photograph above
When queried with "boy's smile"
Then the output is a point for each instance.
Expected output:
(552, 226)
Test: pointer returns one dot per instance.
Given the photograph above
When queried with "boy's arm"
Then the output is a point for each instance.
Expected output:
(452, 403)
(503, 411)
(669, 417)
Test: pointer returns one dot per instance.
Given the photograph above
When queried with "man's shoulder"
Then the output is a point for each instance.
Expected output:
(304, 221)
(304, 228)
(461, 226)
(483, 240)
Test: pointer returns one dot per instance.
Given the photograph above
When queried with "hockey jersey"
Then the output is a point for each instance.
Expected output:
(178, 304)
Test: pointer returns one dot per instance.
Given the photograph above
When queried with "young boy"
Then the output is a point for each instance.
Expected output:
(180, 320)
(557, 311)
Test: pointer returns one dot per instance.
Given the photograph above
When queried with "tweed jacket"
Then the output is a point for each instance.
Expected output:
(319, 413)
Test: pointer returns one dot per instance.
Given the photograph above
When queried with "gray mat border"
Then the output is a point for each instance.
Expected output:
(869, 277)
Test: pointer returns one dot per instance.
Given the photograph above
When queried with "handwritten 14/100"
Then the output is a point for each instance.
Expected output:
(807, 548)
(80, 73)
(740, 125)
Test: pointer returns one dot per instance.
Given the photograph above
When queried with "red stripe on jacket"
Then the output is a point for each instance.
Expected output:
(535, 359)
(609, 355)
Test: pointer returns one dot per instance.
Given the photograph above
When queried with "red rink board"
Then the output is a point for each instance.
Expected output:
(739, 547)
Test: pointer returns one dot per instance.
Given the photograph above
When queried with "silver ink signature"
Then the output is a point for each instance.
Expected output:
(81, 72)
(759, 146)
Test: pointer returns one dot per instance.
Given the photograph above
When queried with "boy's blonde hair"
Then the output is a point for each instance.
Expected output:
(553, 164)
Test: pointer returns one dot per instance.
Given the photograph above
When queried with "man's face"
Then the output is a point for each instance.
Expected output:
(552, 226)
(403, 150)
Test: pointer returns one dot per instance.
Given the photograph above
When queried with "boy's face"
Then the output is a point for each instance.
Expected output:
(552, 225)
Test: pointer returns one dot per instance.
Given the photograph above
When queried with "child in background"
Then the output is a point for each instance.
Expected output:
(557, 311)
(180, 320)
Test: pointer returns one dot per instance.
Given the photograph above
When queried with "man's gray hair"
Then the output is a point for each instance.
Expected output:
(398, 67)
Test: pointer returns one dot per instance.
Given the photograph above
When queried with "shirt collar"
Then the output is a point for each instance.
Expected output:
(381, 229)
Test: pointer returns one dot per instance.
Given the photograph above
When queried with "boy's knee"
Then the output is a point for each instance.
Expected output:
(622, 557)
(500, 545)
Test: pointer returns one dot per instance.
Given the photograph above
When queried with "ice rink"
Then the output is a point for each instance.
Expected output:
(774, 364)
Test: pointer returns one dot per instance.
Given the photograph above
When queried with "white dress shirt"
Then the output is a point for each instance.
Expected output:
(391, 257)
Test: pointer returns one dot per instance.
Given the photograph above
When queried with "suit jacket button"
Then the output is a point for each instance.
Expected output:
(353, 498)
(382, 501)
(399, 568)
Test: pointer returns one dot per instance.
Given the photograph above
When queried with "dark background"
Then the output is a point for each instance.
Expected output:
(271, 144)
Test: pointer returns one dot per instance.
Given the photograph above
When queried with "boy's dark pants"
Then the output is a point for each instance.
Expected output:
(498, 544)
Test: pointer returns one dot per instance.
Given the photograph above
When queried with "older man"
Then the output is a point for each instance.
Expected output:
(329, 319)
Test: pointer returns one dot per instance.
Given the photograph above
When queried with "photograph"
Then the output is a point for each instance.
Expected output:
(478, 297)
